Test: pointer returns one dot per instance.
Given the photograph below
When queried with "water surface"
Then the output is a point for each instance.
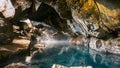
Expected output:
(69, 55)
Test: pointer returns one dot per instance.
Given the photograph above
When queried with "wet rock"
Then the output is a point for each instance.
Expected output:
(106, 59)
(39, 46)
(108, 46)
(77, 41)
(61, 66)
(27, 27)
(98, 43)
(16, 65)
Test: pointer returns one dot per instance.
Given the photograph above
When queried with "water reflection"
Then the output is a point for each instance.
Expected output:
(74, 56)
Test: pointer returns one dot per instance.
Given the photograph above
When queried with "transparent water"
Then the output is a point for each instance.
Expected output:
(69, 55)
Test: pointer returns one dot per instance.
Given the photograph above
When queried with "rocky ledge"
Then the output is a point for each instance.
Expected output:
(16, 65)
(16, 48)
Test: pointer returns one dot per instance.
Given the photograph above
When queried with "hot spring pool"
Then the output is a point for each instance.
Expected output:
(69, 55)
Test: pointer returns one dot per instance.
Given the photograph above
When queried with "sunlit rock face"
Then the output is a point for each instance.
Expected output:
(7, 8)
(110, 13)
(102, 15)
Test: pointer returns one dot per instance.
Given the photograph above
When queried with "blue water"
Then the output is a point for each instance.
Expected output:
(69, 55)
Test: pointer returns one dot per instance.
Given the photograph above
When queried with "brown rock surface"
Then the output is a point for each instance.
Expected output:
(18, 46)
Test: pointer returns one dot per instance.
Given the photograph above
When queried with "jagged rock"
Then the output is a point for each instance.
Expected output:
(16, 65)
(7, 8)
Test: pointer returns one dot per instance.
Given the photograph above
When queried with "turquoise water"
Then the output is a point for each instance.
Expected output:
(69, 55)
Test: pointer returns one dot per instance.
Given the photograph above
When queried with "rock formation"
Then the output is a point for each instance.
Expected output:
(91, 18)
(16, 65)
(98, 21)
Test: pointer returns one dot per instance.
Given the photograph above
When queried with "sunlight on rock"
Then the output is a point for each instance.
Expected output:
(7, 8)
(61, 66)
(16, 65)
(28, 59)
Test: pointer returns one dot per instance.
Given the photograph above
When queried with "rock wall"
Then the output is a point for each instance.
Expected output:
(102, 14)
(91, 18)
(98, 18)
